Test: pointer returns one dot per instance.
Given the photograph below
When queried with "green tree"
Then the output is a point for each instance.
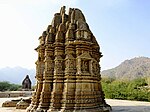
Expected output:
(6, 86)
(131, 90)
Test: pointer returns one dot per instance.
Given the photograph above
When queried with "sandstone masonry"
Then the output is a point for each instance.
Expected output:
(67, 69)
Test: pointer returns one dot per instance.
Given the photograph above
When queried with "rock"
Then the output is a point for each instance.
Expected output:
(11, 103)
(23, 104)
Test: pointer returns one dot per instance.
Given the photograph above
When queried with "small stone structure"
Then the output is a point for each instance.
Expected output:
(26, 83)
(11, 103)
(67, 69)
(21, 103)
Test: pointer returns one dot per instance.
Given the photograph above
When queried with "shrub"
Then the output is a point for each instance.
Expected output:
(130, 90)
(6, 86)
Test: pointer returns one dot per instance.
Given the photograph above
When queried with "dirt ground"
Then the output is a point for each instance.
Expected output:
(10, 109)
(117, 106)
(128, 106)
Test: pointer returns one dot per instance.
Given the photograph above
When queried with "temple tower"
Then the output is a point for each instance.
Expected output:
(68, 70)
(26, 83)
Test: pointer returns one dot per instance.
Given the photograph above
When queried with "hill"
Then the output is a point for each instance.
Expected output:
(16, 74)
(130, 69)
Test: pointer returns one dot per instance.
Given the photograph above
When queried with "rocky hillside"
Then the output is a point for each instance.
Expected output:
(130, 69)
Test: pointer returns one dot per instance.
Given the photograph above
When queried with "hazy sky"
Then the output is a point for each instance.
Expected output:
(122, 28)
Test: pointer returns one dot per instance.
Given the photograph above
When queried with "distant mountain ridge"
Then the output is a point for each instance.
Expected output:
(16, 74)
(130, 69)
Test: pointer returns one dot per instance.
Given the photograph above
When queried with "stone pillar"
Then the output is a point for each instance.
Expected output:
(80, 77)
(47, 79)
(39, 76)
(68, 101)
(70, 79)
(58, 79)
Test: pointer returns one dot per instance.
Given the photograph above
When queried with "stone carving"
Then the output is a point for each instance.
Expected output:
(95, 67)
(26, 83)
(85, 65)
(68, 70)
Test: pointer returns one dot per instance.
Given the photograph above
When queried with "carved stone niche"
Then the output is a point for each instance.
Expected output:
(95, 67)
(70, 62)
(83, 35)
(84, 64)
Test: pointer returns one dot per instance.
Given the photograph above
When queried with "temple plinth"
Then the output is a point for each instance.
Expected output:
(67, 69)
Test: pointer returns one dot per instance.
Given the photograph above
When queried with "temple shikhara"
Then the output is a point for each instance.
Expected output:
(67, 68)
(26, 83)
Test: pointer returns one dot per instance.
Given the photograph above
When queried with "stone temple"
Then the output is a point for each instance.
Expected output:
(67, 69)
(26, 83)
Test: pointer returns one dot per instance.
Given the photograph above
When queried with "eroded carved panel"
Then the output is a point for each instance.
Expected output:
(85, 65)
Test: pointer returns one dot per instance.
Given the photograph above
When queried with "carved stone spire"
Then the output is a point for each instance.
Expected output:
(63, 10)
(72, 16)
(67, 69)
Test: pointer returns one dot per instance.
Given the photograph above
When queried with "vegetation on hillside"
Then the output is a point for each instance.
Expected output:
(136, 89)
(6, 86)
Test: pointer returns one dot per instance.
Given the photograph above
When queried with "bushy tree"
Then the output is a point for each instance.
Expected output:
(137, 83)
(130, 90)
(6, 86)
